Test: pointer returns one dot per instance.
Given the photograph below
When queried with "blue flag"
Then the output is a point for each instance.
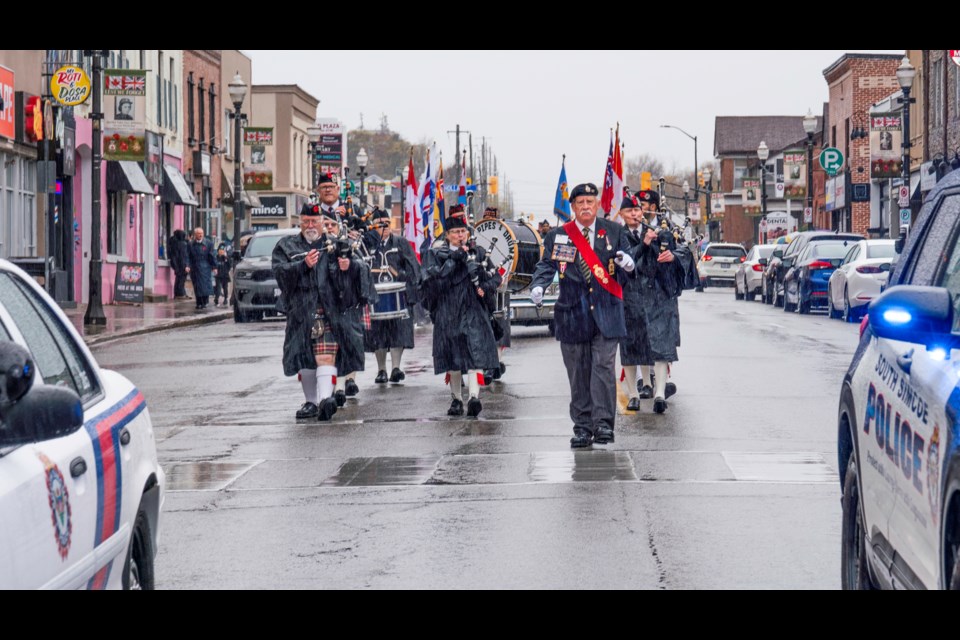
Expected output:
(561, 204)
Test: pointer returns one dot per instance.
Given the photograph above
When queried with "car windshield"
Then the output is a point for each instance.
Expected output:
(766, 252)
(829, 250)
(725, 252)
(881, 250)
(261, 246)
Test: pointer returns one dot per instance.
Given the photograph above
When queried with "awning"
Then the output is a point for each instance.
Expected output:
(175, 188)
(249, 199)
(126, 175)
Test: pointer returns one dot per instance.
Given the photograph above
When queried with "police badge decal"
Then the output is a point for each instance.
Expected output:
(59, 500)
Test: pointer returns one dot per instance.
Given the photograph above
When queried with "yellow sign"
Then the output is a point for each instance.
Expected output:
(70, 85)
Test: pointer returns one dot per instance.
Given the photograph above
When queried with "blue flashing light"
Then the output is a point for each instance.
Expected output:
(938, 354)
(897, 316)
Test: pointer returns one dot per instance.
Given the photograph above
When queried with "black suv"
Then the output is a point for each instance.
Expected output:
(255, 288)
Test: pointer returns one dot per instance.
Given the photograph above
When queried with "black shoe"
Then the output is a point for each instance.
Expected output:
(474, 407)
(671, 390)
(581, 440)
(381, 377)
(328, 407)
(634, 404)
(604, 436)
(352, 388)
(659, 405)
(646, 392)
(308, 410)
(503, 369)
(487, 377)
(396, 375)
(456, 408)
(340, 398)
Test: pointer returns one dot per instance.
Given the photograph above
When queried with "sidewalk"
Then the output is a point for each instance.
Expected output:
(126, 320)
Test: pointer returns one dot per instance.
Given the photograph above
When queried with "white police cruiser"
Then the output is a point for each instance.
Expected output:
(899, 407)
(80, 486)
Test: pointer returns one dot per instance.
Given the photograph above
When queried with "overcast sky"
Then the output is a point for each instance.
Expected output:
(533, 107)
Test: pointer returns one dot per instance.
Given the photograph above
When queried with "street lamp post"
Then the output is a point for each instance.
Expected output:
(238, 90)
(94, 314)
(708, 183)
(362, 158)
(809, 126)
(686, 201)
(696, 190)
(313, 136)
(763, 152)
(905, 74)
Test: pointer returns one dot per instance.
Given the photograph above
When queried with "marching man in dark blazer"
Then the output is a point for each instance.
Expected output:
(593, 258)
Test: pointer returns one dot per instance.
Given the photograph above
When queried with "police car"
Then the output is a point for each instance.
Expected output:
(899, 406)
(80, 486)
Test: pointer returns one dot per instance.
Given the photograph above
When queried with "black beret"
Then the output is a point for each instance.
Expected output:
(326, 178)
(585, 189)
(629, 202)
(379, 214)
(456, 220)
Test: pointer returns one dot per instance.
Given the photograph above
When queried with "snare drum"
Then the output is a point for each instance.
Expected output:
(514, 244)
(391, 302)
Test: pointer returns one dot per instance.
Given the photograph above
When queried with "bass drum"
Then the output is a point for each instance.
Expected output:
(514, 246)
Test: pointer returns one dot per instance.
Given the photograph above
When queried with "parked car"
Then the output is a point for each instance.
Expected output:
(255, 289)
(898, 427)
(777, 269)
(719, 262)
(524, 313)
(860, 278)
(805, 283)
(80, 486)
(748, 278)
(769, 273)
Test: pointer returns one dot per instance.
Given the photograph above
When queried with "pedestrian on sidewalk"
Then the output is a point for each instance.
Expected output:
(178, 250)
(222, 277)
(203, 265)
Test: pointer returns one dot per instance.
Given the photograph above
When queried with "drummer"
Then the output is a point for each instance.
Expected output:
(391, 260)
(489, 375)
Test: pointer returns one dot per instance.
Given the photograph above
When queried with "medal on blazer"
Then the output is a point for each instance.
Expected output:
(611, 267)
(602, 234)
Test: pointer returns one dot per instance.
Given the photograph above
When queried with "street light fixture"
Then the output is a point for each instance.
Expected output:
(313, 136)
(238, 91)
(686, 195)
(905, 74)
(694, 138)
(810, 126)
(763, 152)
(362, 158)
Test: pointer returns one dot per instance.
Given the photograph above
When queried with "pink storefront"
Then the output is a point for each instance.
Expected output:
(136, 218)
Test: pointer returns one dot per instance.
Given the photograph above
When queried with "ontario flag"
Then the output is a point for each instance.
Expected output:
(412, 221)
(462, 189)
(613, 179)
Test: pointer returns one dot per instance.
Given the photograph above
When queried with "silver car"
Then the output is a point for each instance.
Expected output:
(748, 280)
(255, 288)
(719, 263)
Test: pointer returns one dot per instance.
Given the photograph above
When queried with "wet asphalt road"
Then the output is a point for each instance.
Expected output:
(734, 487)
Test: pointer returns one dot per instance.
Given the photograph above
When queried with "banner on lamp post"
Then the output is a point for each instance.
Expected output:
(886, 145)
(795, 174)
(751, 197)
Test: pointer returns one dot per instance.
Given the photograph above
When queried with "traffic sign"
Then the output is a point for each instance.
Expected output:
(831, 159)
(904, 199)
(905, 217)
(763, 225)
(807, 215)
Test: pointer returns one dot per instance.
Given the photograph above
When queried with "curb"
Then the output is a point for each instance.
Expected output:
(172, 324)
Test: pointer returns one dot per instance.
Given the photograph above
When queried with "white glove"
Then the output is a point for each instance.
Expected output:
(536, 295)
(624, 261)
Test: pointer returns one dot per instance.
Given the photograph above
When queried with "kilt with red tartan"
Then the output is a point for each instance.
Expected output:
(321, 336)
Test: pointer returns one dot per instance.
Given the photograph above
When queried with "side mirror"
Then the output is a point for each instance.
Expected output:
(885, 266)
(921, 315)
(898, 245)
(762, 262)
(787, 263)
(16, 372)
(778, 253)
(45, 413)
(836, 262)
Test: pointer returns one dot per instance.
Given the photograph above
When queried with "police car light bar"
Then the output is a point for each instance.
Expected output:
(897, 316)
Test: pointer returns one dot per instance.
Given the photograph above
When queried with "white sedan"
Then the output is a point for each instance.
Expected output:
(748, 281)
(80, 486)
(859, 278)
